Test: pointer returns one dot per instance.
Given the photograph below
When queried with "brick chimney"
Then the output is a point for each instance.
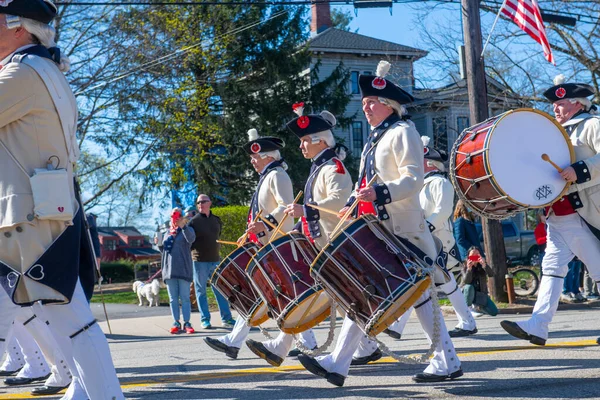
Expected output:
(321, 18)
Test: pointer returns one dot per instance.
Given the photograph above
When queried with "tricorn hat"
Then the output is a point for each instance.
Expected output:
(308, 124)
(562, 90)
(378, 85)
(431, 153)
(38, 10)
(258, 144)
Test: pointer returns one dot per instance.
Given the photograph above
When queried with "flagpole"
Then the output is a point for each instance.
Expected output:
(493, 27)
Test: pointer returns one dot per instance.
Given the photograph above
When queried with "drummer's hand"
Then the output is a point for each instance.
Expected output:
(343, 212)
(569, 174)
(366, 194)
(295, 210)
(241, 240)
(256, 227)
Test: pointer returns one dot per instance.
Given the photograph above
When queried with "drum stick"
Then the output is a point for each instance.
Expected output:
(266, 221)
(227, 242)
(545, 157)
(284, 218)
(350, 210)
(256, 217)
(325, 210)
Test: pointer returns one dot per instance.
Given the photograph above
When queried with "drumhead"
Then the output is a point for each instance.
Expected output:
(514, 157)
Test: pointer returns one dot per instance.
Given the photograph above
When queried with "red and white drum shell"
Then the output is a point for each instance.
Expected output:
(496, 166)
(231, 281)
(280, 271)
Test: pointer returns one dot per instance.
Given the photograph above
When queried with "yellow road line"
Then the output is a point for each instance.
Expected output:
(290, 368)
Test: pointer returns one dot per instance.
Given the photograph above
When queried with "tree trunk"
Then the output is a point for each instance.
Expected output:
(477, 89)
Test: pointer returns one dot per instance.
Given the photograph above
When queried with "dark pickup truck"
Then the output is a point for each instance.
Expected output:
(521, 247)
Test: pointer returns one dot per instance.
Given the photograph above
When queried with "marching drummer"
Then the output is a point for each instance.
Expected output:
(273, 192)
(437, 200)
(329, 184)
(393, 155)
(573, 221)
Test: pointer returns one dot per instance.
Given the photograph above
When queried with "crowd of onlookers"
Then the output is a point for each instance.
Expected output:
(190, 254)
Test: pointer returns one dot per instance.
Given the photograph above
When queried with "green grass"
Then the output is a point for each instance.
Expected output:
(129, 297)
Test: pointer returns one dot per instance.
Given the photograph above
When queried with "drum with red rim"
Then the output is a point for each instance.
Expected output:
(496, 166)
(372, 275)
(280, 272)
(231, 281)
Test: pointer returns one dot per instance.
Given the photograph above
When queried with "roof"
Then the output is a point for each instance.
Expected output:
(115, 230)
(143, 252)
(340, 41)
(457, 91)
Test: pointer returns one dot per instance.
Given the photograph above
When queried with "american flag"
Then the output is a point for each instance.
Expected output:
(526, 14)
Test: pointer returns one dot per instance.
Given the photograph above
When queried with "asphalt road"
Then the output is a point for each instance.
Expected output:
(153, 365)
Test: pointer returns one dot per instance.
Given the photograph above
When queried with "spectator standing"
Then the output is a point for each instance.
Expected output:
(474, 276)
(177, 269)
(540, 233)
(205, 253)
(590, 287)
(571, 293)
(465, 232)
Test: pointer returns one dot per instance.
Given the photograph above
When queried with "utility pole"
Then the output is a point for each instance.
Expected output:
(495, 252)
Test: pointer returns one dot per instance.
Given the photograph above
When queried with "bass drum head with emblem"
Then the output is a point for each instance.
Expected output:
(496, 166)
(515, 157)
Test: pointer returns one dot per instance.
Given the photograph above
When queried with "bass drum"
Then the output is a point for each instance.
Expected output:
(496, 166)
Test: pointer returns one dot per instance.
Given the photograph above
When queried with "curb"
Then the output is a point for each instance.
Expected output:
(527, 309)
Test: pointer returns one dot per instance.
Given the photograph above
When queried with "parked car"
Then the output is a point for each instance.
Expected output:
(520, 246)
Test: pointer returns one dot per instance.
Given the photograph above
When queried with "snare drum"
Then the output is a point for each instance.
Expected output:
(496, 166)
(373, 276)
(280, 272)
(231, 281)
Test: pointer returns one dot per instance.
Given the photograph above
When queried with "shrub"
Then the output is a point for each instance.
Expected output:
(234, 220)
(118, 271)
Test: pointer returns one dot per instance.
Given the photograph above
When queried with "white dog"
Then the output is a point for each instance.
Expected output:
(147, 292)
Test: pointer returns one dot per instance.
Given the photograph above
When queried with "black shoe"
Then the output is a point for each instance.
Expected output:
(296, 352)
(374, 356)
(260, 350)
(9, 373)
(393, 334)
(47, 390)
(230, 351)
(598, 340)
(515, 330)
(424, 377)
(458, 332)
(24, 381)
(314, 367)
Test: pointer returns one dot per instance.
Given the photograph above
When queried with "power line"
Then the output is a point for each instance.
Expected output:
(580, 17)
(178, 52)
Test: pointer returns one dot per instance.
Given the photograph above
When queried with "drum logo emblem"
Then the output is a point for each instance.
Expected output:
(560, 92)
(543, 192)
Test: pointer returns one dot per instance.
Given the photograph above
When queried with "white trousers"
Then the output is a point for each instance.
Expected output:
(461, 309)
(89, 349)
(14, 358)
(35, 363)
(567, 236)
(444, 361)
(282, 344)
(8, 311)
(279, 345)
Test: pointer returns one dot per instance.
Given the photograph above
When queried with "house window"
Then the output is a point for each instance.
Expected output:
(440, 133)
(136, 243)
(110, 245)
(354, 88)
(462, 123)
(357, 138)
